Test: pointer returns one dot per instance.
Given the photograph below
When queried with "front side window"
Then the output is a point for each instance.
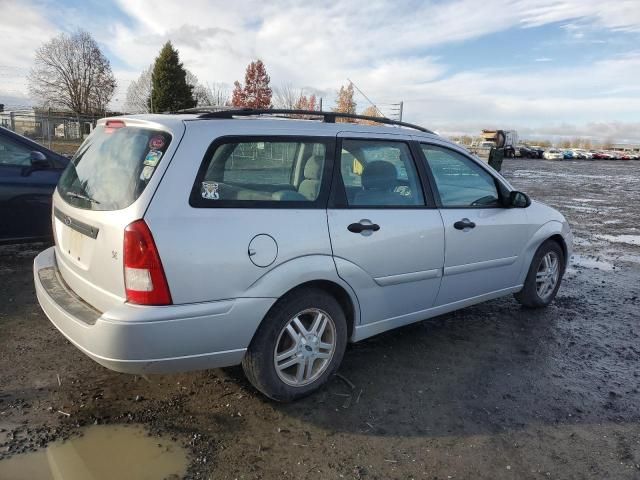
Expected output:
(461, 182)
(12, 153)
(379, 174)
(262, 171)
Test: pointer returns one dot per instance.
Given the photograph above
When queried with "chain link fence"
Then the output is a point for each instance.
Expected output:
(62, 132)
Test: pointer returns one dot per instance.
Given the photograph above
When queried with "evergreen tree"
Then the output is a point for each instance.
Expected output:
(169, 88)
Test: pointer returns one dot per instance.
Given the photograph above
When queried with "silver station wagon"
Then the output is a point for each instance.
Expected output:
(210, 239)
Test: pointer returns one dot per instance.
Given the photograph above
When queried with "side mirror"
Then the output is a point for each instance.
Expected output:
(518, 200)
(39, 160)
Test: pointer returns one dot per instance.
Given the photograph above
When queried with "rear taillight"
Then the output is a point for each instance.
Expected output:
(144, 278)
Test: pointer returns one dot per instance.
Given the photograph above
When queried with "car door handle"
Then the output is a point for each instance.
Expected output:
(464, 223)
(361, 227)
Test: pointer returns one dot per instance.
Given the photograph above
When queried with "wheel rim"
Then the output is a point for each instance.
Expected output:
(305, 347)
(547, 275)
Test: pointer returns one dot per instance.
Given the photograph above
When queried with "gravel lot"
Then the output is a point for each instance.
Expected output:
(492, 391)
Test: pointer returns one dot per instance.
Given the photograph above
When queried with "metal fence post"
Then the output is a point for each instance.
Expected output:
(49, 126)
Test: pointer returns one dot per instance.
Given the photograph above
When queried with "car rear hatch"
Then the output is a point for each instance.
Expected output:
(107, 186)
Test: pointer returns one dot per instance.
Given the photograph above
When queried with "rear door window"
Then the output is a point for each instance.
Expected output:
(262, 172)
(113, 167)
(378, 173)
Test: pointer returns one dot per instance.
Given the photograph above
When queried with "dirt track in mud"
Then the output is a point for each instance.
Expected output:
(491, 391)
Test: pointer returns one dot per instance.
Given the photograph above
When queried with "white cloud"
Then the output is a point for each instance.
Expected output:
(383, 46)
(22, 29)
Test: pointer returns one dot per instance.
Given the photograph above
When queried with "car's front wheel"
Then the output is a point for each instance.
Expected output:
(544, 276)
(298, 346)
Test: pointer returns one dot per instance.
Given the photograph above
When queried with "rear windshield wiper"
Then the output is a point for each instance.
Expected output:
(82, 197)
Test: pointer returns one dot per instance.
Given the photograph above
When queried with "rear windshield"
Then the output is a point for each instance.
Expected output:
(112, 167)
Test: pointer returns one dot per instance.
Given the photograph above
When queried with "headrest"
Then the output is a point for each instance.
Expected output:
(379, 175)
(313, 168)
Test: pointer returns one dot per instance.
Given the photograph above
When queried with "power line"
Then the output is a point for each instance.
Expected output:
(367, 98)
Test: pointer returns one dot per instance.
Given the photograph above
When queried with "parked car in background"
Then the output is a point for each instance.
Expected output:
(29, 173)
(583, 154)
(570, 155)
(187, 242)
(553, 154)
(536, 151)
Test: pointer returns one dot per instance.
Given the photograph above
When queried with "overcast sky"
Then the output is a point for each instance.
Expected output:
(547, 66)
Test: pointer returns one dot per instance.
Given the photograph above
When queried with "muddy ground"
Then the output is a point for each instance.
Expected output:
(492, 391)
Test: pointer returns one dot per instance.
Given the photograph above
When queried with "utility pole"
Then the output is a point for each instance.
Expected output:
(320, 104)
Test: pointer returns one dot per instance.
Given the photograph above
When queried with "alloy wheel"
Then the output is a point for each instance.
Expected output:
(305, 347)
(547, 275)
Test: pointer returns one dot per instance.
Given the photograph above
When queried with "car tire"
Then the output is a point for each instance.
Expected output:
(318, 352)
(542, 282)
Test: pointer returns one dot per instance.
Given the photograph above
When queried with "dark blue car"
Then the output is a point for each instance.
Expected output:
(29, 173)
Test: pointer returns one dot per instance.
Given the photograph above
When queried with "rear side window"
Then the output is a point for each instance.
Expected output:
(262, 172)
(113, 167)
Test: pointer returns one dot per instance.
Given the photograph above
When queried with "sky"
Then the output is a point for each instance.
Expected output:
(544, 67)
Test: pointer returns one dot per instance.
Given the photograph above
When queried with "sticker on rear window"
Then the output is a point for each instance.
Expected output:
(209, 191)
(156, 142)
(147, 171)
(152, 158)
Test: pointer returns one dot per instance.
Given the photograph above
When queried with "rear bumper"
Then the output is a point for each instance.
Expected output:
(139, 339)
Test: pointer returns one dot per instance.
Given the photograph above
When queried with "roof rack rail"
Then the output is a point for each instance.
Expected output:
(327, 117)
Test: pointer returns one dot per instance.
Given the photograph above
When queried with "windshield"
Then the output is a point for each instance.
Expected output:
(112, 167)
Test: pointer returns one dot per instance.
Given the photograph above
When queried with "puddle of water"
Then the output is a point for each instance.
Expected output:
(103, 452)
(590, 262)
(630, 239)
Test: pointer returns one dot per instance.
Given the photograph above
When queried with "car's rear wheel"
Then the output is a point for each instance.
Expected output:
(544, 276)
(298, 346)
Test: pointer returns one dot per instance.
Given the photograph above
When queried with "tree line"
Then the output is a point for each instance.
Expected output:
(70, 72)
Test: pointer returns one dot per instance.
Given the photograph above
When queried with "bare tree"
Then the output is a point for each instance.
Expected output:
(209, 95)
(138, 93)
(218, 94)
(286, 96)
(71, 72)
